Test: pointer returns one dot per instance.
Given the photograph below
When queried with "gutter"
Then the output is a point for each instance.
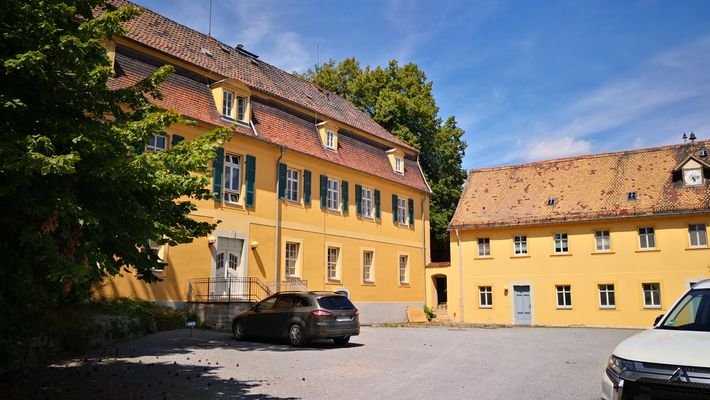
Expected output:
(461, 305)
(424, 250)
(277, 247)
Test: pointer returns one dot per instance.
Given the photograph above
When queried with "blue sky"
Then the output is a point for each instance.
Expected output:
(527, 80)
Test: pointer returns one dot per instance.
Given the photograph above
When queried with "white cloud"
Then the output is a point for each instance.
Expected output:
(556, 148)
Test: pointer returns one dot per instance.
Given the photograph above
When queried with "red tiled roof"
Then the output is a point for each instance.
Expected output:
(160, 33)
(586, 188)
(296, 133)
(190, 98)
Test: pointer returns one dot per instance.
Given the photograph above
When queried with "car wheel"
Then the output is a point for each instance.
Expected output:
(341, 340)
(296, 336)
(238, 330)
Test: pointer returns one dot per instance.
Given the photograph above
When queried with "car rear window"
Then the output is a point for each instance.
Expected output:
(336, 303)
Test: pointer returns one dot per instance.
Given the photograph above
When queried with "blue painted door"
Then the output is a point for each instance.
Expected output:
(522, 305)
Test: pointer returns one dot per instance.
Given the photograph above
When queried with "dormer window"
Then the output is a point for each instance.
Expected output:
(231, 97)
(398, 165)
(241, 108)
(330, 140)
(632, 196)
(227, 103)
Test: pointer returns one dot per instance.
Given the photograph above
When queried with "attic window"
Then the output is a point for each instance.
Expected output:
(703, 153)
(330, 140)
(398, 165)
(631, 196)
(206, 52)
(552, 201)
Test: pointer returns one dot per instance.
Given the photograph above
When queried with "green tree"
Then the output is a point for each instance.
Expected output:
(400, 99)
(78, 203)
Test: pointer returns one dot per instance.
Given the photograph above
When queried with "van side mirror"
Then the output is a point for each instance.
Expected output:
(658, 319)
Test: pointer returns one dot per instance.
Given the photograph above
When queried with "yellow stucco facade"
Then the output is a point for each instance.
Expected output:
(673, 264)
(276, 238)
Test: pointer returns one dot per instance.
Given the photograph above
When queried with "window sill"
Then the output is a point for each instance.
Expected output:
(332, 211)
(333, 282)
(596, 253)
(485, 307)
(367, 284)
(521, 256)
(366, 218)
(564, 307)
(697, 248)
(483, 258)
(296, 203)
(607, 308)
(647, 251)
(651, 307)
(561, 255)
(404, 285)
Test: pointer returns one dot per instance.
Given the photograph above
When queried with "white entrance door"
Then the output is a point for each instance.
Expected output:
(229, 270)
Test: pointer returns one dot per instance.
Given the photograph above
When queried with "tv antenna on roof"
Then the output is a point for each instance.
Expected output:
(209, 29)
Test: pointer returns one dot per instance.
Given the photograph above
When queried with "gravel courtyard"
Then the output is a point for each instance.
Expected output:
(395, 363)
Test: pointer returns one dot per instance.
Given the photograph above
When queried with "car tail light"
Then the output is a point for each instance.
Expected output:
(321, 313)
(357, 313)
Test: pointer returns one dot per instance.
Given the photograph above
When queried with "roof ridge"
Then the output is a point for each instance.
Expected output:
(588, 156)
(392, 139)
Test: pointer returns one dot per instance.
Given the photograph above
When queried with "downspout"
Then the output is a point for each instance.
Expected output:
(424, 249)
(461, 306)
(277, 247)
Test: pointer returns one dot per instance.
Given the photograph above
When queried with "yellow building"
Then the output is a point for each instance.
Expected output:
(601, 240)
(309, 193)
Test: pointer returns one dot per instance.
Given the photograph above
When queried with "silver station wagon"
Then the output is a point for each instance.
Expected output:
(299, 317)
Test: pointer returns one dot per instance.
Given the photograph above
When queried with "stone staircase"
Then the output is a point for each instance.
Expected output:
(442, 315)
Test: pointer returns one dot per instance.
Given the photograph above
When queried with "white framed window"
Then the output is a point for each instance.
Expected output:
(333, 199)
(564, 296)
(292, 183)
(333, 262)
(520, 245)
(651, 295)
(647, 238)
(157, 143)
(606, 296)
(232, 178)
(403, 269)
(485, 296)
(398, 165)
(241, 108)
(227, 103)
(368, 258)
(330, 140)
(402, 214)
(291, 258)
(160, 252)
(561, 243)
(484, 247)
(602, 240)
(367, 203)
(698, 235)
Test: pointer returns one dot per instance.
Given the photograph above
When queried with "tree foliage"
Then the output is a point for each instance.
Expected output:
(78, 203)
(400, 99)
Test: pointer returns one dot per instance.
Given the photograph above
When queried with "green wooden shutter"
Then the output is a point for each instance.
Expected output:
(282, 180)
(307, 187)
(323, 191)
(217, 170)
(395, 208)
(410, 205)
(249, 199)
(377, 205)
(176, 139)
(344, 189)
(358, 200)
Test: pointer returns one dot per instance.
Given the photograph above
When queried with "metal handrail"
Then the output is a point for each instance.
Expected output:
(226, 290)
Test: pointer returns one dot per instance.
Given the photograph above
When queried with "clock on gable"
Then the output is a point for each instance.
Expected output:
(692, 177)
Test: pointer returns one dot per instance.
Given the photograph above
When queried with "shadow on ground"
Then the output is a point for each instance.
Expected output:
(164, 366)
